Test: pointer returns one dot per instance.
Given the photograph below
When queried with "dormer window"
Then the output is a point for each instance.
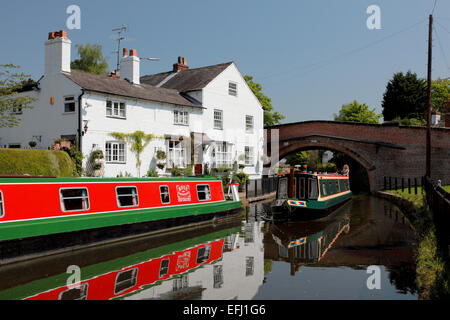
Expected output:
(232, 88)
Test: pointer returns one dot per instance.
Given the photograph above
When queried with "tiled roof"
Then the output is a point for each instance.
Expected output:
(186, 80)
(121, 87)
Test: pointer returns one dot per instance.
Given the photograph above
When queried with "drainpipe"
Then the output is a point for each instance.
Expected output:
(79, 120)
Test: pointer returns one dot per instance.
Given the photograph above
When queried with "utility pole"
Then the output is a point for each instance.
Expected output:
(428, 142)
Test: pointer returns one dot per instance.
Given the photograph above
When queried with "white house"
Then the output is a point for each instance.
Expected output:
(204, 117)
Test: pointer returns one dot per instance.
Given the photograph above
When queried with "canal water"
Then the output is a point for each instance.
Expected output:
(365, 250)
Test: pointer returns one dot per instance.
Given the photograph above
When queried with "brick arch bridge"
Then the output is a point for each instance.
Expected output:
(387, 149)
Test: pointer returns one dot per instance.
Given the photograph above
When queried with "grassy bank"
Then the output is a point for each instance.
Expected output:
(432, 266)
(36, 162)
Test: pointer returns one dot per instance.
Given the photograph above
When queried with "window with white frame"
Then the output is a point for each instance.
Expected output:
(176, 154)
(115, 151)
(127, 197)
(249, 157)
(203, 192)
(115, 109)
(232, 88)
(180, 117)
(74, 199)
(221, 155)
(69, 104)
(218, 119)
(248, 123)
(2, 207)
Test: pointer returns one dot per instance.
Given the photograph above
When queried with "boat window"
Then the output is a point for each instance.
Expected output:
(164, 268)
(2, 208)
(282, 188)
(125, 280)
(323, 188)
(74, 199)
(331, 187)
(77, 293)
(312, 188)
(203, 253)
(127, 197)
(165, 195)
(203, 192)
(301, 188)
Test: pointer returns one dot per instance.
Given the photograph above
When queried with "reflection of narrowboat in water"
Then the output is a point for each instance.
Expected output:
(310, 195)
(302, 243)
(123, 276)
(59, 208)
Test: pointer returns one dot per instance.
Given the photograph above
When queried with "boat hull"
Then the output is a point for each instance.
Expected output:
(45, 243)
(310, 210)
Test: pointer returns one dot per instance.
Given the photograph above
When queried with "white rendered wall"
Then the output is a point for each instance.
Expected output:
(235, 108)
(45, 119)
(150, 117)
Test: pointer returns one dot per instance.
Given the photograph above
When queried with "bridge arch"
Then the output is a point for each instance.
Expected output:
(383, 150)
(315, 142)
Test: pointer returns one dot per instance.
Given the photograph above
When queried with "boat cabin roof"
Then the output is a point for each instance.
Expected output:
(35, 179)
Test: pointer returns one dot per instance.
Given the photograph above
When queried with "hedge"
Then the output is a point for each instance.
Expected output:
(36, 162)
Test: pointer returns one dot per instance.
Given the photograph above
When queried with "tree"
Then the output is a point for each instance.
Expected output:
(12, 103)
(138, 141)
(440, 92)
(298, 158)
(405, 97)
(271, 117)
(91, 59)
(356, 112)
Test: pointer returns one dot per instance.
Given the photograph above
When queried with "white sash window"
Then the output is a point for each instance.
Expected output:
(221, 155)
(176, 154)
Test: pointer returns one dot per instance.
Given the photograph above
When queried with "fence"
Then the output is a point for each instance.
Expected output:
(259, 187)
(438, 201)
(395, 183)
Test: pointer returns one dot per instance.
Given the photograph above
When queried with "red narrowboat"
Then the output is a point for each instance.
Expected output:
(34, 207)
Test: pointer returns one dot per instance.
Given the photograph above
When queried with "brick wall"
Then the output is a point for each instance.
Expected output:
(384, 150)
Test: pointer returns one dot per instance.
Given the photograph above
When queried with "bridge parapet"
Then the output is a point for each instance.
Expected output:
(382, 149)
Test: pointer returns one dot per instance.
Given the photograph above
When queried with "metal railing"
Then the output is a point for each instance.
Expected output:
(259, 187)
(396, 183)
(438, 201)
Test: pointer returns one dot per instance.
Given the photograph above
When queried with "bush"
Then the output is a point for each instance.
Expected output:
(176, 172)
(36, 162)
(152, 173)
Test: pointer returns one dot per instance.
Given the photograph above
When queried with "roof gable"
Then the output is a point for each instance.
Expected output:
(186, 80)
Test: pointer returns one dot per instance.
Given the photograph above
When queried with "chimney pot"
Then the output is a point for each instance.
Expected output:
(181, 65)
(125, 52)
(133, 52)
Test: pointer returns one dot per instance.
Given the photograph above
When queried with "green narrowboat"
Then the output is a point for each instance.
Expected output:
(310, 195)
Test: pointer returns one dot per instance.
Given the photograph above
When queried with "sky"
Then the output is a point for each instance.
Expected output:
(311, 57)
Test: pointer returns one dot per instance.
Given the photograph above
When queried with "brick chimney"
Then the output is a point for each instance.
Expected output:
(181, 65)
(57, 53)
(447, 114)
(129, 66)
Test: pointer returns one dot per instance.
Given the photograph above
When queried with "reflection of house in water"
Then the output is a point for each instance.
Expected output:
(238, 274)
(225, 264)
(301, 243)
